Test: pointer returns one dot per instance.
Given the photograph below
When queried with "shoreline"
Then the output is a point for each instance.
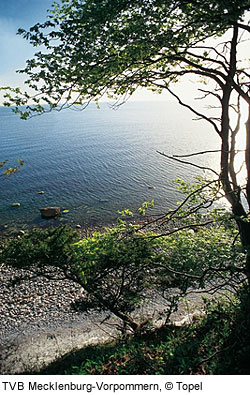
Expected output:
(19, 228)
(84, 230)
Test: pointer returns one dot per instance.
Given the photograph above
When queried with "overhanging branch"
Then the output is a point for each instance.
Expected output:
(194, 111)
(188, 163)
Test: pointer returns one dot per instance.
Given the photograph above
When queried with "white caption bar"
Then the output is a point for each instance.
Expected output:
(99, 385)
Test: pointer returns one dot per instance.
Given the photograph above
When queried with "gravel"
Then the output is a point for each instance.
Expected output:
(38, 323)
(34, 303)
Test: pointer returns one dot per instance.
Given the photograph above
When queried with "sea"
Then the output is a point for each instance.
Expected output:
(95, 162)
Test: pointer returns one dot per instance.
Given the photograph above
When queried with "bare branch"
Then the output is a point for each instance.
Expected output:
(204, 152)
(188, 163)
(214, 49)
(194, 111)
(240, 91)
(243, 26)
(184, 227)
(208, 93)
(207, 59)
(167, 217)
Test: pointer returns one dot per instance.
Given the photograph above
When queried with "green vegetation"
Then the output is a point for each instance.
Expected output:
(91, 51)
(120, 267)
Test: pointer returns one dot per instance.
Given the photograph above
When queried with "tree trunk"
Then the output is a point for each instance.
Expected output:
(246, 226)
(230, 188)
(247, 157)
(244, 229)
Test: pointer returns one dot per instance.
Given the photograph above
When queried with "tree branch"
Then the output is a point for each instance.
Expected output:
(194, 111)
(188, 163)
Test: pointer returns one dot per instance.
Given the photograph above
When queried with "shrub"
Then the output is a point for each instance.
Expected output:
(40, 249)
(202, 259)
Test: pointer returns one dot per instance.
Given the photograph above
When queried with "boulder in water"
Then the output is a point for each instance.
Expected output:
(50, 212)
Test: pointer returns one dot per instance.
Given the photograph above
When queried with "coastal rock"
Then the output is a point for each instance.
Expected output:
(50, 212)
(16, 204)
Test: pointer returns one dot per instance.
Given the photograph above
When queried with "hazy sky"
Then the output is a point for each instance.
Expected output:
(14, 50)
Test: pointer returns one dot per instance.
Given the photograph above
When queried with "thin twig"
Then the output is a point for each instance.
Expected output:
(188, 163)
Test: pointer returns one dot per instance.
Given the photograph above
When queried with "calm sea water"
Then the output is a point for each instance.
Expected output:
(96, 162)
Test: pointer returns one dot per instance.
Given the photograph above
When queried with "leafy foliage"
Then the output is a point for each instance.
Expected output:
(117, 46)
(116, 267)
(123, 265)
(112, 49)
(200, 259)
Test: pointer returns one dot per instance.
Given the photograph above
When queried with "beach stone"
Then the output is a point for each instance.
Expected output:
(50, 212)
(16, 204)
(21, 232)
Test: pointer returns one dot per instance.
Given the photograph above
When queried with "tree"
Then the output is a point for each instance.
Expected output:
(112, 47)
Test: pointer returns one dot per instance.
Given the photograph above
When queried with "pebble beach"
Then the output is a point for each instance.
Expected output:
(34, 303)
(38, 323)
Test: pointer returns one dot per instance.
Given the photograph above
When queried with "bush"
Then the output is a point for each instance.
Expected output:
(40, 249)
(202, 259)
(114, 268)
